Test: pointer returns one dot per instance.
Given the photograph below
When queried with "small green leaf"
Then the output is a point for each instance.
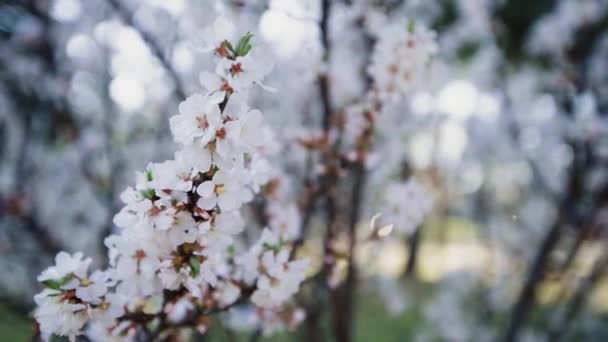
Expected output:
(228, 46)
(149, 175)
(54, 284)
(244, 46)
(230, 249)
(148, 193)
(274, 248)
(195, 266)
(411, 26)
(247, 49)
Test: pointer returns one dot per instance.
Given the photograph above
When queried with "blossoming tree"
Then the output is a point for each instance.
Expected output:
(175, 261)
(180, 257)
(458, 176)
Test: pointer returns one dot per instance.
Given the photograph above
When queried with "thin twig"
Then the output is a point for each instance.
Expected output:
(578, 299)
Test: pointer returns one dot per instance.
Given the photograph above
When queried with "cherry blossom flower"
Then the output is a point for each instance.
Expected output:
(213, 38)
(198, 119)
(181, 221)
(399, 59)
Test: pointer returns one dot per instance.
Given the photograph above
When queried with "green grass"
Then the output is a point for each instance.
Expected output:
(373, 324)
(14, 327)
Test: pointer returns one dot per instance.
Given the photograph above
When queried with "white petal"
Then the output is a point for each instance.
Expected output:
(205, 189)
(211, 82)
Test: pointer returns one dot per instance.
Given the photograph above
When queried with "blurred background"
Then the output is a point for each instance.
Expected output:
(511, 137)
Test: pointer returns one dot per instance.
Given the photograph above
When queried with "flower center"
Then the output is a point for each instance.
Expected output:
(221, 133)
(202, 122)
(226, 87)
(220, 189)
(221, 50)
(236, 68)
(85, 282)
(140, 254)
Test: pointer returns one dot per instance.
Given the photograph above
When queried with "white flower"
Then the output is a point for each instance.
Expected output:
(160, 218)
(178, 311)
(100, 331)
(268, 262)
(284, 220)
(399, 59)
(252, 125)
(183, 230)
(65, 306)
(172, 278)
(244, 71)
(227, 293)
(93, 288)
(211, 268)
(217, 86)
(167, 242)
(58, 317)
(236, 106)
(195, 156)
(137, 260)
(248, 263)
(113, 307)
(259, 172)
(280, 279)
(211, 38)
(273, 321)
(405, 205)
(269, 238)
(217, 235)
(208, 270)
(171, 175)
(198, 119)
(227, 142)
(225, 190)
(66, 265)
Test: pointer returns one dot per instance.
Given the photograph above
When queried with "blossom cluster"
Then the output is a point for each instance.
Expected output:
(400, 58)
(406, 204)
(177, 257)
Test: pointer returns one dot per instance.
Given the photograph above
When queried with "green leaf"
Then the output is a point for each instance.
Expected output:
(244, 46)
(274, 248)
(148, 193)
(149, 175)
(247, 49)
(411, 26)
(195, 266)
(228, 46)
(230, 249)
(54, 284)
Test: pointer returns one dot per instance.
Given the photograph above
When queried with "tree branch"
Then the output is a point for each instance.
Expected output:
(526, 298)
(578, 299)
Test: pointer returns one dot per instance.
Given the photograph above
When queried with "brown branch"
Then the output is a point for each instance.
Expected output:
(578, 299)
(324, 90)
(347, 292)
(324, 189)
(574, 191)
(414, 245)
(26, 99)
(110, 153)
